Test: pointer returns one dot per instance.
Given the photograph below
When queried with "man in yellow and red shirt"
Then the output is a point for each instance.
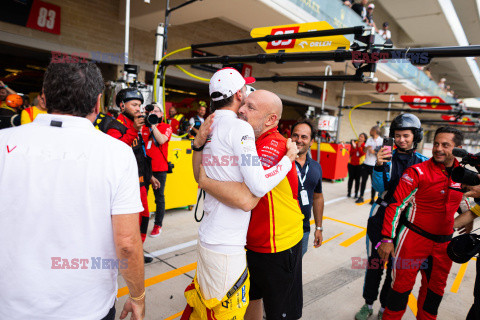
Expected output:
(274, 238)
(30, 113)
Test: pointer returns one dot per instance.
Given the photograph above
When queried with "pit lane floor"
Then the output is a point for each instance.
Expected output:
(332, 287)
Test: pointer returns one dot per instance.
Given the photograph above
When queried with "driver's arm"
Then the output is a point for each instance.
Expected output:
(233, 194)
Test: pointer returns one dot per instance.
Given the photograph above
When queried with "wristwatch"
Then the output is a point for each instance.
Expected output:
(195, 148)
(319, 228)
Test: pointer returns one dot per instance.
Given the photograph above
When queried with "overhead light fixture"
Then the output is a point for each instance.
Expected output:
(13, 70)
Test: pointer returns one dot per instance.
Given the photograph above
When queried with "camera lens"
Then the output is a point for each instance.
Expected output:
(152, 119)
(149, 107)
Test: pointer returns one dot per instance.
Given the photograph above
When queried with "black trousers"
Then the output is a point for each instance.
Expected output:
(160, 197)
(474, 313)
(111, 314)
(354, 173)
(373, 277)
(366, 171)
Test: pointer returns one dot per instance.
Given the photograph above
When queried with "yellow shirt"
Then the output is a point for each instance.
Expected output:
(29, 114)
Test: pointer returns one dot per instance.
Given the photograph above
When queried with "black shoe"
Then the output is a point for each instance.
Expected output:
(359, 200)
(348, 195)
(372, 202)
(356, 196)
(147, 259)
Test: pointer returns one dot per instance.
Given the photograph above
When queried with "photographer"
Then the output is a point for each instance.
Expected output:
(462, 221)
(156, 138)
(407, 133)
(126, 129)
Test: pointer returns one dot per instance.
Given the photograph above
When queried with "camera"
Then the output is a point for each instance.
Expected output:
(463, 175)
(150, 119)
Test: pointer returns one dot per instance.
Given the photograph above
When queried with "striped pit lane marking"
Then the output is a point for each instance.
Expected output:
(187, 268)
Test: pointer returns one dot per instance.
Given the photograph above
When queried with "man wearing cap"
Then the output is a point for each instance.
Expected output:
(220, 289)
(384, 32)
(156, 140)
(369, 17)
(127, 129)
(274, 238)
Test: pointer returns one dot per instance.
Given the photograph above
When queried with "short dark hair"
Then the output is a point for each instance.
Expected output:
(364, 135)
(308, 123)
(72, 88)
(457, 134)
(215, 105)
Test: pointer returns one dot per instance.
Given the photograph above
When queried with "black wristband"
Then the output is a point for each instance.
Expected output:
(197, 149)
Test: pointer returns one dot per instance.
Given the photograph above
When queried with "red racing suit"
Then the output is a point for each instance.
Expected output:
(425, 193)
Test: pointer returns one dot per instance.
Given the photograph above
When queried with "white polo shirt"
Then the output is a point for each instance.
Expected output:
(231, 155)
(60, 182)
(371, 158)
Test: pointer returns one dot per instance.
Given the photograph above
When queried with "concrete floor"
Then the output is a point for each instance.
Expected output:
(332, 289)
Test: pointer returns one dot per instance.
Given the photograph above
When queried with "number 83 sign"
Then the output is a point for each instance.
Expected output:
(44, 17)
(302, 44)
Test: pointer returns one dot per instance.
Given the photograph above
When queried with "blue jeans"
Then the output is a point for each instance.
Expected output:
(305, 243)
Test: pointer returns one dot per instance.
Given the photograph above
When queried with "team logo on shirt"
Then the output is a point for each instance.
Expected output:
(246, 138)
(10, 150)
(407, 178)
(455, 185)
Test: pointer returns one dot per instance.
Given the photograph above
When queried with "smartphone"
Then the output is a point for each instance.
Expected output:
(388, 143)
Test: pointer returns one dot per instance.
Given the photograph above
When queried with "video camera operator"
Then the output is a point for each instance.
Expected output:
(156, 135)
(127, 129)
(463, 247)
(462, 221)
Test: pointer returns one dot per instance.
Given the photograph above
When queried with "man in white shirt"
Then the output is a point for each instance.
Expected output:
(384, 32)
(221, 284)
(196, 122)
(68, 209)
(373, 144)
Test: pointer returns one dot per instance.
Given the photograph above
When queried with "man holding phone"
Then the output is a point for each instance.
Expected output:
(406, 133)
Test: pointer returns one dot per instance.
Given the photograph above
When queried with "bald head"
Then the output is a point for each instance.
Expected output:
(268, 103)
(263, 110)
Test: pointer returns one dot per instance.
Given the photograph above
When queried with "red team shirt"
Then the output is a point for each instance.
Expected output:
(159, 161)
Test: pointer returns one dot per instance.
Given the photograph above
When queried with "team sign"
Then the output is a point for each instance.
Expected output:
(415, 102)
(300, 45)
